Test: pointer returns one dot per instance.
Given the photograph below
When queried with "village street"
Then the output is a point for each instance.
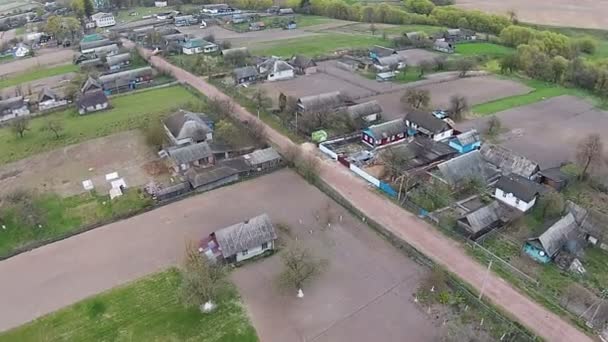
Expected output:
(414, 231)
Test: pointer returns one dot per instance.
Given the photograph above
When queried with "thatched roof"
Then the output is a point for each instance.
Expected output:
(465, 167)
(245, 235)
(364, 109)
(508, 161)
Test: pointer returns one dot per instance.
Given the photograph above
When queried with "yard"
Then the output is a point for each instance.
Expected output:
(145, 310)
(483, 49)
(35, 74)
(129, 111)
(316, 46)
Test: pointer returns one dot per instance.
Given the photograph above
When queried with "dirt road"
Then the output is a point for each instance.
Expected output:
(414, 231)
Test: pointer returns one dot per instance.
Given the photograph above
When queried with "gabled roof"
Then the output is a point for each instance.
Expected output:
(245, 72)
(302, 62)
(197, 42)
(590, 221)
(423, 151)
(258, 157)
(274, 65)
(522, 188)
(47, 94)
(508, 161)
(427, 121)
(443, 44)
(387, 129)
(201, 177)
(117, 59)
(484, 217)
(190, 153)
(381, 51)
(467, 138)
(239, 50)
(390, 60)
(12, 103)
(245, 235)
(92, 98)
(90, 84)
(554, 238)
(364, 109)
(184, 125)
(127, 75)
(325, 101)
(465, 167)
(87, 45)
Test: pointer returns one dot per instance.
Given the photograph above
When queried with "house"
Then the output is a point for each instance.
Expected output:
(92, 101)
(508, 161)
(466, 142)
(421, 153)
(126, 80)
(48, 99)
(545, 247)
(384, 134)
(274, 69)
(160, 4)
(326, 102)
(593, 224)
(386, 76)
(118, 62)
(21, 50)
(241, 241)
(197, 45)
(555, 178)
(184, 127)
(517, 191)
(257, 26)
(102, 19)
(444, 46)
(12, 108)
(244, 75)
(263, 160)
(420, 122)
(89, 46)
(303, 65)
(184, 157)
(380, 51)
(459, 35)
(204, 179)
(217, 8)
(286, 11)
(481, 221)
(389, 63)
(461, 169)
(90, 84)
(369, 111)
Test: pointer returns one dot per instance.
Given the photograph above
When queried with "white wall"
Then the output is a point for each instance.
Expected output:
(364, 175)
(253, 252)
(511, 200)
(281, 75)
(443, 135)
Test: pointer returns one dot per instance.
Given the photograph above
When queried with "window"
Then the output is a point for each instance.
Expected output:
(504, 194)
(517, 201)
(265, 245)
(244, 252)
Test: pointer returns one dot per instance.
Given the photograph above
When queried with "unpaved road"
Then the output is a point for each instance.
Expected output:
(414, 231)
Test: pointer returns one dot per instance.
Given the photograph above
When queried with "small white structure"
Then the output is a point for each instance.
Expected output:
(115, 192)
(119, 183)
(88, 185)
(103, 19)
(274, 69)
(21, 50)
(196, 46)
(160, 4)
(516, 191)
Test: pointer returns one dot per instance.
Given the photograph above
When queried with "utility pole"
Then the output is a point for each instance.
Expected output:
(485, 279)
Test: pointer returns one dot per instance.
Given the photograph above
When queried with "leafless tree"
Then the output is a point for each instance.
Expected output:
(299, 266)
(465, 65)
(589, 153)
(55, 126)
(373, 29)
(18, 90)
(458, 106)
(423, 68)
(551, 205)
(494, 126)
(416, 98)
(202, 280)
(155, 134)
(19, 125)
(395, 161)
(440, 63)
(308, 166)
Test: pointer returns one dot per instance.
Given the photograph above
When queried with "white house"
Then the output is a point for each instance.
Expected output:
(274, 69)
(241, 241)
(427, 124)
(12, 108)
(92, 101)
(195, 46)
(102, 19)
(21, 50)
(185, 127)
(517, 191)
(160, 4)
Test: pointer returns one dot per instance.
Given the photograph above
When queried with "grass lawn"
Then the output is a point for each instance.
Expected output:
(145, 310)
(479, 49)
(64, 215)
(401, 29)
(541, 91)
(37, 74)
(312, 20)
(316, 45)
(128, 112)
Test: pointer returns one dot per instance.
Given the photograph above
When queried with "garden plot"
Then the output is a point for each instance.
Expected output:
(45, 57)
(547, 131)
(416, 56)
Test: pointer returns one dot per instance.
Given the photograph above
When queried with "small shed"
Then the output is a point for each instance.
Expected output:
(545, 247)
(369, 111)
(477, 223)
(555, 178)
(378, 51)
(247, 74)
(263, 160)
(466, 142)
(321, 102)
(386, 133)
(210, 178)
(443, 46)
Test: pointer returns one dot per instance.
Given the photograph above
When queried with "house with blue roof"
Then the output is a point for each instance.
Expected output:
(466, 142)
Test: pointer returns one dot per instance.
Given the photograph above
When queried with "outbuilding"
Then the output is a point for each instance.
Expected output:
(384, 134)
(466, 142)
(420, 122)
(517, 191)
(195, 46)
(245, 75)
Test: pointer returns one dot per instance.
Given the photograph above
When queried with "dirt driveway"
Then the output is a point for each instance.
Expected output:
(63, 170)
(547, 131)
(367, 279)
(45, 57)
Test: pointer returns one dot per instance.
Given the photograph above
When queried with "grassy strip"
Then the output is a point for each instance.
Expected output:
(315, 45)
(37, 74)
(479, 49)
(145, 310)
(128, 112)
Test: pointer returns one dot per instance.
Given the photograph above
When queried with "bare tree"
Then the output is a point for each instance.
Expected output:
(416, 98)
(55, 126)
(299, 266)
(308, 166)
(395, 161)
(202, 279)
(440, 63)
(465, 65)
(494, 126)
(458, 106)
(423, 68)
(512, 16)
(551, 205)
(155, 134)
(589, 153)
(19, 125)
(18, 90)
(373, 29)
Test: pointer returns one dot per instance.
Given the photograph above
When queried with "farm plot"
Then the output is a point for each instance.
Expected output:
(37, 74)
(547, 131)
(45, 58)
(53, 82)
(416, 56)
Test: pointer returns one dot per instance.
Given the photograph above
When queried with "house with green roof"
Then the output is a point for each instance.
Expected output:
(197, 45)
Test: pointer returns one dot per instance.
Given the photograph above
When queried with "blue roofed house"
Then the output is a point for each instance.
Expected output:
(466, 142)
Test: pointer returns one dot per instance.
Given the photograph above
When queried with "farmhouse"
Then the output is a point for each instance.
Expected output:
(12, 108)
(545, 247)
(185, 157)
(592, 223)
(459, 170)
(48, 99)
(377, 51)
(303, 65)
(517, 191)
(263, 160)
(385, 133)
(92, 101)
(444, 46)
(248, 74)
(427, 124)
(126, 80)
(369, 111)
(331, 101)
(185, 127)
(392, 62)
(241, 241)
(466, 142)
(479, 222)
(217, 8)
(102, 19)
(459, 35)
(274, 69)
(197, 45)
(508, 161)
(118, 62)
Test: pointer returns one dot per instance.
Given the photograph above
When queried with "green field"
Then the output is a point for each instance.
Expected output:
(145, 310)
(128, 112)
(37, 74)
(124, 17)
(65, 215)
(315, 45)
(479, 49)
